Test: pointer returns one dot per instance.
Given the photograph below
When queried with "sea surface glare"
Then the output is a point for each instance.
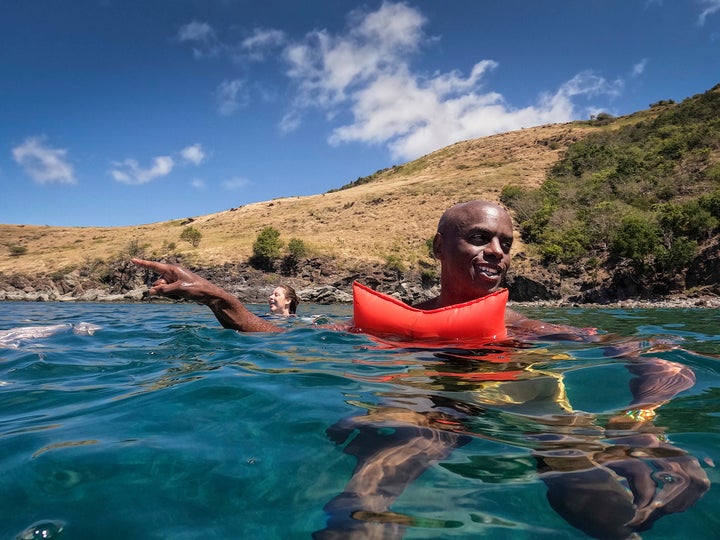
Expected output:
(150, 421)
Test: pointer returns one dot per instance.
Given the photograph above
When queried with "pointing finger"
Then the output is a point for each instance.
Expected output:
(160, 268)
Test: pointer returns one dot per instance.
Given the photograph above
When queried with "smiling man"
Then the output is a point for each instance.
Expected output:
(472, 243)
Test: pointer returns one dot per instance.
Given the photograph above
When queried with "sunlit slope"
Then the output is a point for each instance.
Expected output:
(393, 214)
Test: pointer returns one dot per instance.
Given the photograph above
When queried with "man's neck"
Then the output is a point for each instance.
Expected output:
(443, 300)
(433, 303)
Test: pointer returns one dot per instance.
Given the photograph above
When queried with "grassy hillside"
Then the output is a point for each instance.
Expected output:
(389, 215)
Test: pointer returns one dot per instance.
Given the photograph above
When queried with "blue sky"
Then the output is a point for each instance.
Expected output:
(125, 112)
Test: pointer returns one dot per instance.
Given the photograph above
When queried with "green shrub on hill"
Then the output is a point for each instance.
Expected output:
(16, 250)
(266, 248)
(647, 192)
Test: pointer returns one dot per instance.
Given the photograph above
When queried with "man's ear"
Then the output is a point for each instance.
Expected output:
(437, 246)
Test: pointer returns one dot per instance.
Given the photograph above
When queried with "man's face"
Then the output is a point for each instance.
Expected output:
(473, 246)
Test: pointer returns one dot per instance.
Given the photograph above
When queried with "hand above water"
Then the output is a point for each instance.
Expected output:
(178, 281)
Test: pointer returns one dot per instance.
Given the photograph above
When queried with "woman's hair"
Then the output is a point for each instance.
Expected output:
(291, 295)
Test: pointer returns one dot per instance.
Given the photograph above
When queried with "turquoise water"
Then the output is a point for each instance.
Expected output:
(160, 424)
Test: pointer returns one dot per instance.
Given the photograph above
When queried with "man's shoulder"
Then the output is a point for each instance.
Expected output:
(513, 317)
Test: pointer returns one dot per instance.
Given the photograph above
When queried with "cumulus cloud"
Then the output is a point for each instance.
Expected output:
(711, 6)
(364, 76)
(43, 163)
(193, 154)
(368, 71)
(230, 96)
(326, 67)
(130, 172)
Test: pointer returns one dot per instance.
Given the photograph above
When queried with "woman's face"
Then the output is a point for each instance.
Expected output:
(279, 304)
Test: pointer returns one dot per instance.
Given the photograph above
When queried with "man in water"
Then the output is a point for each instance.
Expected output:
(472, 243)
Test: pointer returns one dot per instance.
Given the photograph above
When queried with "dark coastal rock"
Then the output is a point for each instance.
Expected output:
(326, 294)
(323, 281)
(526, 289)
(705, 270)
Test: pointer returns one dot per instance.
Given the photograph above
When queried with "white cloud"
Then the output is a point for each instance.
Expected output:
(589, 84)
(202, 36)
(326, 67)
(43, 163)
(639, 68)
(196, 31)
(198, 183)
(368, 70)
(262, 41)
(230, 96)
(711, 6)
(236, 183)
(129, 171)
(414, 119)
(193, 154)
(290, 122)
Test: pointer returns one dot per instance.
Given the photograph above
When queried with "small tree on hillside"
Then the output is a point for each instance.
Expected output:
(191, 235)
(266, 248)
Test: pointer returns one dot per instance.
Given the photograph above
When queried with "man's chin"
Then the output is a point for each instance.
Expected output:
(484, 286)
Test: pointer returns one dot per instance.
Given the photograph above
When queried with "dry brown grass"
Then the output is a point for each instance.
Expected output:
(393, 215)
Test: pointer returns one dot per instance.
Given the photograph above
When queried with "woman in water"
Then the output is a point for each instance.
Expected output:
(283, 301)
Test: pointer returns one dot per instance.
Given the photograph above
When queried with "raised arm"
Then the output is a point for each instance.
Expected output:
(177, 281)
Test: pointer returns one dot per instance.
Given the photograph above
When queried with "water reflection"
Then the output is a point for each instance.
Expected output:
(608, 475)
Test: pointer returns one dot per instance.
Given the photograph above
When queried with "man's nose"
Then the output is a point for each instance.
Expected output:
(494, 248)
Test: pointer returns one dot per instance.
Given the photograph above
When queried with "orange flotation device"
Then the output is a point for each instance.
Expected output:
(379, 314)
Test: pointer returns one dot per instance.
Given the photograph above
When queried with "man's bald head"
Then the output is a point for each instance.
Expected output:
(473, 246)
(460, 213)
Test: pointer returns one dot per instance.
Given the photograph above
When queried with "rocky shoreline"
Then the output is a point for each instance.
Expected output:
(316, 281)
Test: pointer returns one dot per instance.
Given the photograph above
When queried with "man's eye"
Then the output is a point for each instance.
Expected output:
(478, 239)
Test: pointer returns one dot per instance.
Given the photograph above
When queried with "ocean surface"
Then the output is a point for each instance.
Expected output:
(150, 421)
